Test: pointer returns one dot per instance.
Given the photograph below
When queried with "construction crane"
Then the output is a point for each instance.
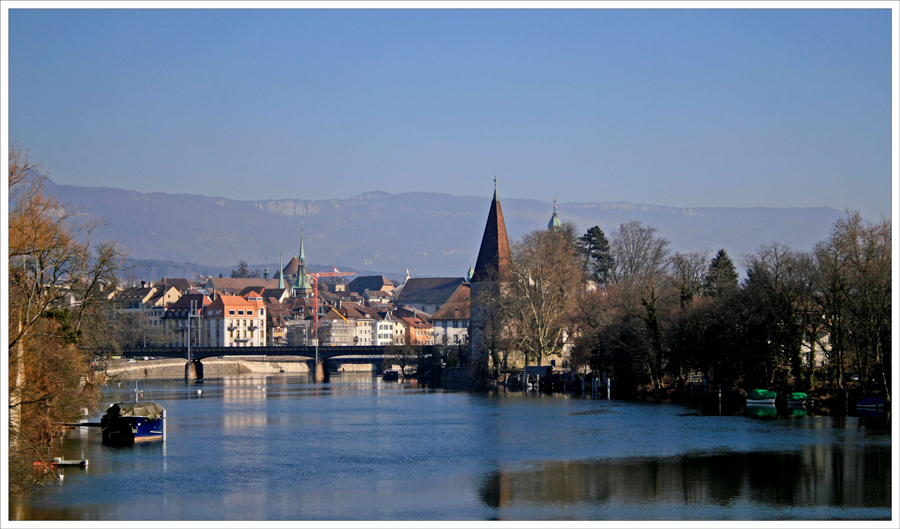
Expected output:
(315, 279)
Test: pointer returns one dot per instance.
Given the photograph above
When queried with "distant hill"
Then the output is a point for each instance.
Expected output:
(430, 234)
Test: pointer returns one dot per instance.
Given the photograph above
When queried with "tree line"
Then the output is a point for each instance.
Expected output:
(649, 317)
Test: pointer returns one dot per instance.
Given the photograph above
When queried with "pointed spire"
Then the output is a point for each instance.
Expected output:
(281, 271)
(302, 255)
(494, 256)
(470, 273)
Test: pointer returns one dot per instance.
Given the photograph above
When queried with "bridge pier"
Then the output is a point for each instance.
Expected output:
(193, 370)
(318, 370)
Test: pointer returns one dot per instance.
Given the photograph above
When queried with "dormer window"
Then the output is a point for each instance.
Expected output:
(249, 313)
(240, 313)
(231, 313)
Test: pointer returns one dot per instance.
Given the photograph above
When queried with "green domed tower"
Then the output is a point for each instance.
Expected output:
(554, 223)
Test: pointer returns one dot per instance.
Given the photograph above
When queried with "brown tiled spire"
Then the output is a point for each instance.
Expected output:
(494, 258)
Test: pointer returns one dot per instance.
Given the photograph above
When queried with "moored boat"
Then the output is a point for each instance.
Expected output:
(761, 396)
(133, 422)
(60, 462)
(390, 375)
(870, 403)
(798, 398)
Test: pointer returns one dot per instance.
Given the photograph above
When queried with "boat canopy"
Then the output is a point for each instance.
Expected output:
(150, 410)
(754, 394)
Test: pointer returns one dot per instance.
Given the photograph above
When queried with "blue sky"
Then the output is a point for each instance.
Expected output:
(669, 107)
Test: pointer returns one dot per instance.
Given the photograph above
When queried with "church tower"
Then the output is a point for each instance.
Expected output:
(492, 268)
(554, 223)
(302, 285)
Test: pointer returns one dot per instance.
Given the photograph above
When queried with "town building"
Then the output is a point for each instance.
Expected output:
(427, 294)
(235, 321)
(451, 322)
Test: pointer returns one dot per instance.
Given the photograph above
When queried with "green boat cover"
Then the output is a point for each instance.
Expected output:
(755, 394)
(150, 410)
(797, 395)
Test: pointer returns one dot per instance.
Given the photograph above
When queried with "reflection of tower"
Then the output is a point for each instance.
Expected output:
(492, 268)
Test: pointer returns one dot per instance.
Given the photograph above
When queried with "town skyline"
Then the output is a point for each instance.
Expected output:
(679, 108)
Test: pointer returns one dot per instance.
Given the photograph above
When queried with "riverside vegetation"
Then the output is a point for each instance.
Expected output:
(651, 318)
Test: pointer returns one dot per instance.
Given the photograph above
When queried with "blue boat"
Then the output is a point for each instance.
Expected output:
(870, 403)
(133, 422)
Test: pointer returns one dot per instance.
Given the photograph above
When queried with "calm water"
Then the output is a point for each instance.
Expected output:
(282, 448)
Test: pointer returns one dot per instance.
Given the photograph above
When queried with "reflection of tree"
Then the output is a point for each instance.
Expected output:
(784, 479)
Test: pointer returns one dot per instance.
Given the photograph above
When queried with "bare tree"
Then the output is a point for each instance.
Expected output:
(547, 275)
(639, 255)
(688, 274)
(856, 261)
(58, 285)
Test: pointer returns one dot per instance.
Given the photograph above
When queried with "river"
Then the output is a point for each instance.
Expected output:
(356, 448)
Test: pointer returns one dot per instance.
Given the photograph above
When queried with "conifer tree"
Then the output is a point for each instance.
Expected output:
(722, 276)
(599, 259)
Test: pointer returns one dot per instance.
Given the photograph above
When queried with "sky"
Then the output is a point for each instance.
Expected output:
(671, 107)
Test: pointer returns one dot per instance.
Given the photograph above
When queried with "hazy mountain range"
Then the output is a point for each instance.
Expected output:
(428, 233)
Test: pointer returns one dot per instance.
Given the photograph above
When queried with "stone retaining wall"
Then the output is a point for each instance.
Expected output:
(212, 368)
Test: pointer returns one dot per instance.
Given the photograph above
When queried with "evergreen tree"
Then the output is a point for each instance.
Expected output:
(722, 276)
(599, 258)
(243, 271)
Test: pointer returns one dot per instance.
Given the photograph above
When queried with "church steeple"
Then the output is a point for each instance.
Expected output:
(301, 285)
(281, 271)
(494, 257)
(302, 255)
(554, 223)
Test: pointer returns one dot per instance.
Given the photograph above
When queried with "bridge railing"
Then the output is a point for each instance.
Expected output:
(300, 350)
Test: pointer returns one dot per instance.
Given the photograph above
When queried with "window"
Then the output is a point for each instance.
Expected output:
(240, 312)
(231, 313)
(249, 313)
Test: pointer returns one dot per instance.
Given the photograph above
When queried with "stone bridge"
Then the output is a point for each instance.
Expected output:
(366, 354)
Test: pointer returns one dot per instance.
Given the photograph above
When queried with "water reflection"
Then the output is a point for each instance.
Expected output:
(354, 448)
(825, 476)
(762, 411)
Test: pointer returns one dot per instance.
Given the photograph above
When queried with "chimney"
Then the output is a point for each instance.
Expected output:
(143, 284)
